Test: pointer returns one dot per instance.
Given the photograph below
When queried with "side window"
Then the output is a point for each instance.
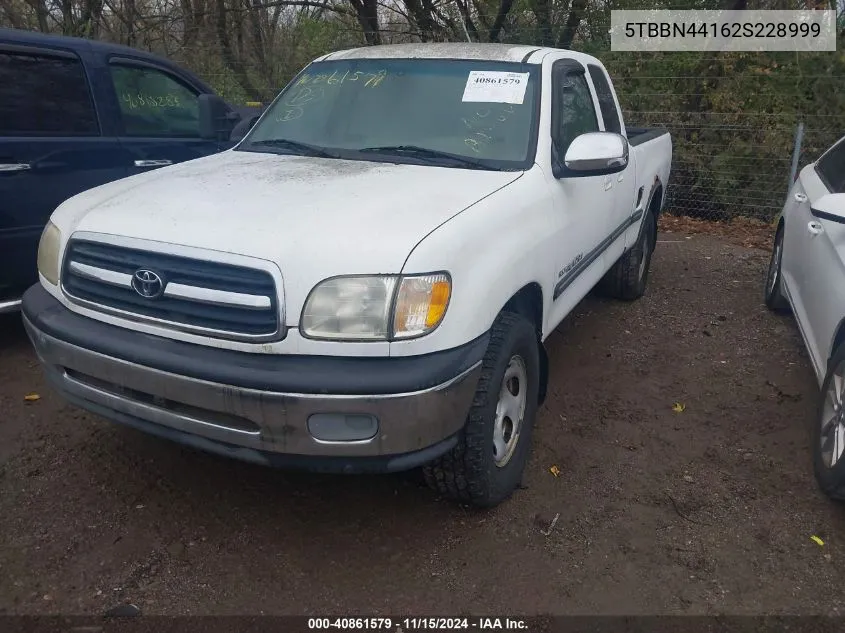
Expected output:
(831, 168)
(42, 95)
(152, 103)
(605, 96)
(576, 113)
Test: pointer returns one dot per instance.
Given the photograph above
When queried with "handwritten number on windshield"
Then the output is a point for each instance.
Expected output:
(309, 88)
(336, 78)
(295, 104)
(483, 124)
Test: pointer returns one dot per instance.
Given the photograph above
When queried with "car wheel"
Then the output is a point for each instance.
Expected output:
(488, 462)
(774, 283)
(829, 430)
(628, 277)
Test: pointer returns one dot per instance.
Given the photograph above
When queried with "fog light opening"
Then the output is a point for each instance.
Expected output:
(342, 427)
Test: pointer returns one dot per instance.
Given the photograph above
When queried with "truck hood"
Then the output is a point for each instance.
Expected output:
(314, 217)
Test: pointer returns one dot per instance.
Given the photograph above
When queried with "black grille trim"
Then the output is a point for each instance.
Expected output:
(227, 320)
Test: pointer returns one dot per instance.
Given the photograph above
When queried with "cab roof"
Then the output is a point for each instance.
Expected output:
(454, 50)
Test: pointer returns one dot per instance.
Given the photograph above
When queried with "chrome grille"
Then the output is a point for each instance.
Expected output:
(200, 295)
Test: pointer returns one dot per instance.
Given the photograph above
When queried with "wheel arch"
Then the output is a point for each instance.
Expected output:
(838, 340)
(655, 203)
(656, 197)
(528, 302)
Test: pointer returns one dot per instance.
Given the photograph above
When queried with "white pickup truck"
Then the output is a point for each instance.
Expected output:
(365, 282)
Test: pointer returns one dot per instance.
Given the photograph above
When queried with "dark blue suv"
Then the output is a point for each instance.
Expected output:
(75, 114)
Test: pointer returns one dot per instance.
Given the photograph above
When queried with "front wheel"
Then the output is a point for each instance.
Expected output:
(829, 430)
(775, 300)
(487, 464)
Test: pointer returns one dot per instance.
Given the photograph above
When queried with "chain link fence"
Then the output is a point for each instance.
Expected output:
(737, 165)
(725, 165)
(738, 140)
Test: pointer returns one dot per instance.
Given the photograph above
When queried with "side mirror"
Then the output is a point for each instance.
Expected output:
(595, 154)
(216, 118)
(830, 207)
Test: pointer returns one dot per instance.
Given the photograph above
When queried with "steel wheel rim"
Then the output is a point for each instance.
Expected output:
(774, 266)
(833, 419)
(510, 411)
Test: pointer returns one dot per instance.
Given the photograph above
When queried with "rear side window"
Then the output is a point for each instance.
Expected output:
(605, 96)
(153, 103)
(42, 95)
(831, 168)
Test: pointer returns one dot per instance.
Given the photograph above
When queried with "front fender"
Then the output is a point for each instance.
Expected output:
(492, 250)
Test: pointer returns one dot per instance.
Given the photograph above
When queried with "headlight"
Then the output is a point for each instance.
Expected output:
(377, 308)
(349, 308)
(48, 253)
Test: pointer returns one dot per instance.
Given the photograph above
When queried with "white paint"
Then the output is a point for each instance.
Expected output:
(488, 86)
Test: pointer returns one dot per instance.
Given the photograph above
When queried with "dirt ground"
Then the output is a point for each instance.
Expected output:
(707, 510)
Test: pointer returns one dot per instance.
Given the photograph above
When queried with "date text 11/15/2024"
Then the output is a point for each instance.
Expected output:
(403, 624)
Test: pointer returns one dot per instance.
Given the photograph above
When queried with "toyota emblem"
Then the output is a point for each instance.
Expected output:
(147, 284)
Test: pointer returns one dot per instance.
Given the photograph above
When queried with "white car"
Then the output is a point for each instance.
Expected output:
(807, 274)
(365, 282)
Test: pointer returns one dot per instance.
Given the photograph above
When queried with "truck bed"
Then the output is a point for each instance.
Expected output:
(652, 152)
(639, 135)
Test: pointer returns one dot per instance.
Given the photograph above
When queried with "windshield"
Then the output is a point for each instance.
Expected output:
(407, 110)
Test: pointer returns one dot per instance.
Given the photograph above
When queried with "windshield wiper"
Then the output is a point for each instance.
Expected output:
(304, 148)
(424, 153)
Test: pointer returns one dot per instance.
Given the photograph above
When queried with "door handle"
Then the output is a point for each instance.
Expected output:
(815, 228)
(153, 163)
(15, 166)
(608, 183)
(800, 197)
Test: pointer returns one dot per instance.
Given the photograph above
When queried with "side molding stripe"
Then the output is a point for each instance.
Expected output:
(594, 254)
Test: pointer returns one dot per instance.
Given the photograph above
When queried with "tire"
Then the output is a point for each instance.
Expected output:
(831, 414)
(628, 278)
(774, 298)
(472, 472)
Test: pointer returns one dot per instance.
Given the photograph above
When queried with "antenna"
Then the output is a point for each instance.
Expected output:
(463, 22)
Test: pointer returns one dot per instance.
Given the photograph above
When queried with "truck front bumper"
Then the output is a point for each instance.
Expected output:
(328, 414)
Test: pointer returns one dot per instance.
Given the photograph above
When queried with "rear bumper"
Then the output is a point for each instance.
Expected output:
(276, 410)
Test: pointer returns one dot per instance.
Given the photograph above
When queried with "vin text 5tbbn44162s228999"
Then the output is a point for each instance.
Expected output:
(365, 282)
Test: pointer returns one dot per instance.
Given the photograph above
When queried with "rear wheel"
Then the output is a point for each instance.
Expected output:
(829, 430)
(487, 464)
(628, 277)
(774, 283)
